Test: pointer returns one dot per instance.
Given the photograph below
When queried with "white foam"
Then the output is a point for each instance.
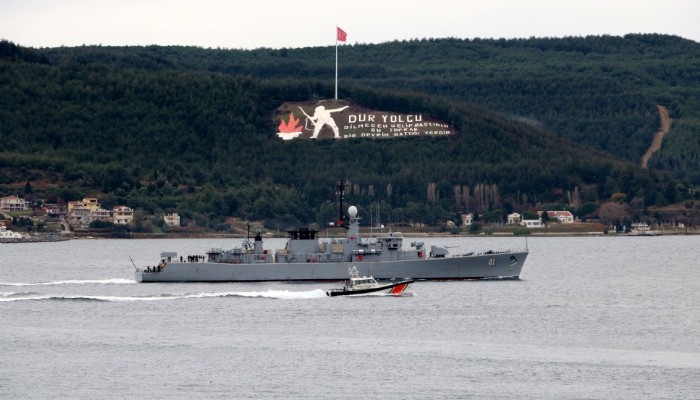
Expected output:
(272, 294)
(282, 294)
(113, 281)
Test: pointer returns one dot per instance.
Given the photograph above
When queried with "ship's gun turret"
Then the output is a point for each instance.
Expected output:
(418, 245)
(438, 251)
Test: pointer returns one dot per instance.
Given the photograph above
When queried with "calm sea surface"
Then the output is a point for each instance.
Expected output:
(590, 318)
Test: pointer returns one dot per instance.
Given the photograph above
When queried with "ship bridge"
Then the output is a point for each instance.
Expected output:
(302, 234)
(302, 242)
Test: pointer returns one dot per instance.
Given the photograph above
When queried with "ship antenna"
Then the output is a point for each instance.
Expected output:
(132, 263)
(371, 222)
(341, 195)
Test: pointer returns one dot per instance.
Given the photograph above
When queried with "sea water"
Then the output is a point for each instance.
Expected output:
(590, 318)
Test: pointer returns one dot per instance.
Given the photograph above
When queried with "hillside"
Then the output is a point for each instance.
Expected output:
(664, 127)
(188, 129)
(600, 91)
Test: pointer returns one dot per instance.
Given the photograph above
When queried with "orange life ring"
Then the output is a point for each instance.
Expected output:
(359, 257)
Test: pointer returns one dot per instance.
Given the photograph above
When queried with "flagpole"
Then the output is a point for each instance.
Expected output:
(336, 63)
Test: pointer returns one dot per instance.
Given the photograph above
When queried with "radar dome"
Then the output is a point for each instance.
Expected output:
(352, 211)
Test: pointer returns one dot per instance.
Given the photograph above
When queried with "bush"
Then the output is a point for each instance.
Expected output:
(475, 228)
(101, 225)
(522, 231)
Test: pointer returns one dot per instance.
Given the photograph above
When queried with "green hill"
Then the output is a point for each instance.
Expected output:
(600, 91)
(189, 129)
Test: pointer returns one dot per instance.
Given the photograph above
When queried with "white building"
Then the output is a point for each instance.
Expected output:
(514, 219)
(13, 203)
(172, 219)
(564, 217)
(122, 215)
(467, 219)
(531, 223)
(99, 214)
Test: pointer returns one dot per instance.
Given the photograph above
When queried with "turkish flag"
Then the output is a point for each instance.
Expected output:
(341, 35)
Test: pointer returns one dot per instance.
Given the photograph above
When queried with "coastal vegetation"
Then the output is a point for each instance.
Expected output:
(541, 123)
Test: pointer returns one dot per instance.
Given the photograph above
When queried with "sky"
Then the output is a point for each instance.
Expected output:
(251, 24)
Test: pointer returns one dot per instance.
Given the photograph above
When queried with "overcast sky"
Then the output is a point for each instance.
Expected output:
(276, 23)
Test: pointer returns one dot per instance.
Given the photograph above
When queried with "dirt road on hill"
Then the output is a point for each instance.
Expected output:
(658, 136)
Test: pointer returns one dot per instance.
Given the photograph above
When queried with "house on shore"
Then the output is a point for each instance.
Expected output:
(13, 203)
(122, 215)
(172, 219)
(514, 219)
(467, 219)
(563, 217)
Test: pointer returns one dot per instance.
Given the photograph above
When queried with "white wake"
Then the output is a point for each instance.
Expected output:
(271, 294)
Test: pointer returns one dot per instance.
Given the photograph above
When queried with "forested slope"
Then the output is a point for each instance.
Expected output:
(187, 129)
(601, 91)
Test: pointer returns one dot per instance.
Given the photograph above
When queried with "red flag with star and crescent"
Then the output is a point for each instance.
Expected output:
(341, 35)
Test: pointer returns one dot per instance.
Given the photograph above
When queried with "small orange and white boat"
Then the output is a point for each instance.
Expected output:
(367, 284)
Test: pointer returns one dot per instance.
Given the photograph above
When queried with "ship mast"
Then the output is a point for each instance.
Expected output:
(341, 197)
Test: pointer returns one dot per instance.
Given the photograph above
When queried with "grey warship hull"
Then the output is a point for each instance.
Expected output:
(480, 266)
(306, 258)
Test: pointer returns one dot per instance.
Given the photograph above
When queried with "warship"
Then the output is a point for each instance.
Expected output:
(306, 257)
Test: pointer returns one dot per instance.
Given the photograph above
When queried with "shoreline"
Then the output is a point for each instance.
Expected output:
(411, 233)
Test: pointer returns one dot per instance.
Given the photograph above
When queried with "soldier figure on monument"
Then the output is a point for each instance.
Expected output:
(322, 117)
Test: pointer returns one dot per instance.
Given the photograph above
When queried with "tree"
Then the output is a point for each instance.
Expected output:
(530, 215)
(432, 193)
(586, 209)
(475, 228)
(100, 224)
(618, 197)
(613, 213)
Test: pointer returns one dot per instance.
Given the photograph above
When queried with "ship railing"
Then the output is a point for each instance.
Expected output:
(488, 252)
(324, 258)
(365, 252)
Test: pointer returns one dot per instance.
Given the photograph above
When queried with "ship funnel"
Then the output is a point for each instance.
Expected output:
(258, 246)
